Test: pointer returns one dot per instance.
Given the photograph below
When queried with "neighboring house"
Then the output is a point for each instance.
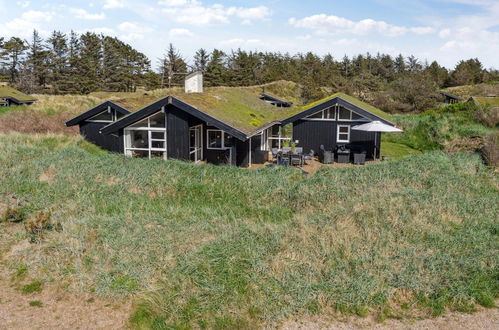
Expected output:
(449, 98)
(227, 125)
(10, 96)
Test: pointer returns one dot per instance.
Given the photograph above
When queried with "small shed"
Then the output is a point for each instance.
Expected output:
(449, 98)
(10, 96)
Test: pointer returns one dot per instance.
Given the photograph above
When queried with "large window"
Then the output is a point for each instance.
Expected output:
(107, 116)
(218, 139)
(343, 134)
(348, 115)
(327, 114)
(278, 136)
(147, 138)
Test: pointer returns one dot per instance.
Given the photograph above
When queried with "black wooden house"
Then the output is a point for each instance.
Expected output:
(234, 125)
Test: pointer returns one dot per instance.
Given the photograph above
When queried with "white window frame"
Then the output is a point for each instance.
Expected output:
(338, 133)
(334, 108)
(350, 117)
(279, 138)
(223, 147)
(127, 131)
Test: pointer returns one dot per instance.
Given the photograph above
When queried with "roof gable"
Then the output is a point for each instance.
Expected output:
(170, 100)
(15, 95)
(349, 102)
(95, 111)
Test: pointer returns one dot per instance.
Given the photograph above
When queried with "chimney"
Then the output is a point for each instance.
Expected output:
(194, 82)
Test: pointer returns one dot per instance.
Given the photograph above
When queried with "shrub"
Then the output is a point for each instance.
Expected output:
(14, 214)
(487, 115)
(35, 226)
(490, 152)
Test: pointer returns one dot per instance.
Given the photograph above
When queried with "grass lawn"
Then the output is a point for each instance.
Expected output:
(397, 150)
(220, 247)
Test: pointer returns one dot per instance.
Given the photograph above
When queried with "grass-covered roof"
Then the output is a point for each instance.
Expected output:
(6, 91)
(493, 101)
(241, 107)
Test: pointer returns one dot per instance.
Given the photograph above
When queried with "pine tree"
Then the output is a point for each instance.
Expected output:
(36, 60)
(400, 64)
(201, 60)
(13, 51)
(90, 63)
(73, 82)
(172, 67)
(58, 61)
(216, 70)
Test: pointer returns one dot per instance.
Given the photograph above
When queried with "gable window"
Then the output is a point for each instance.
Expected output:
(327, 114)
(147, 138)
(218, 139)
(108, 116)
(343, 134)
(348, 115)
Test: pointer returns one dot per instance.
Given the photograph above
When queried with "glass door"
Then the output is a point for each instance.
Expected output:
(196, 143)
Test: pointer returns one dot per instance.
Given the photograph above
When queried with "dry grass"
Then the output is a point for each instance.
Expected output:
(224, 247)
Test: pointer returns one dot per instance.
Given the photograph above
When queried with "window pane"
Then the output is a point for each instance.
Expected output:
(317, 115)
(158, 135)
(343, 129)
(119, 115)
(344, 114)
(104, 116)
(215, 139)
(141, 124)
(158, 144)
(228, 142)
(329, 113)
(139, 139)
(343, 137)
(356, 116)
(158, 120)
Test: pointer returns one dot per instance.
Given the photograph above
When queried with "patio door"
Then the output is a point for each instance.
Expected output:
(196, 143)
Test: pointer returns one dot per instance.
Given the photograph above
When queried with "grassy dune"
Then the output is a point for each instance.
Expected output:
(220, 247)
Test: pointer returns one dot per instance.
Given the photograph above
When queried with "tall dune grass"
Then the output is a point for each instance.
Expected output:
(208, 246)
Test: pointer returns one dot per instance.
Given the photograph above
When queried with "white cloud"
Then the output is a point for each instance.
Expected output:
(83, 14)
(324, 24)
(24, 25)
(193, 12)
(179, 32)
(23, 4)
(113, 4)
(133, 27)
(241, 43)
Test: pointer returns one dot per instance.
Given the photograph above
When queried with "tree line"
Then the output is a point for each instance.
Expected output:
(72, 63)
(91, 62)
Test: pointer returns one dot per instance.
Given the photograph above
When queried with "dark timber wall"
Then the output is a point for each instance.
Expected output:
(314, 133)
(91, 132)
(177, 130)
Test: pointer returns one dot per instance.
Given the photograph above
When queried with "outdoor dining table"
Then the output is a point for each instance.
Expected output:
(290, 155)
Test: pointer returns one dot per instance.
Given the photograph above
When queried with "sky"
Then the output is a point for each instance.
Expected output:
(442, 30)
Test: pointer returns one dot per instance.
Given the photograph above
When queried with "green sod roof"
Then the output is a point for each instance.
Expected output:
(6, 91)
(493, 101)
(241, 107)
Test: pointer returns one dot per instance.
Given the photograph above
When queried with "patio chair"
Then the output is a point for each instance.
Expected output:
(321, 153)
(296, 160)
(286, 149)
(343, 154)
(282, 160)
(275, 151)
(359, 158)
(299, 150)
(310, 155)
